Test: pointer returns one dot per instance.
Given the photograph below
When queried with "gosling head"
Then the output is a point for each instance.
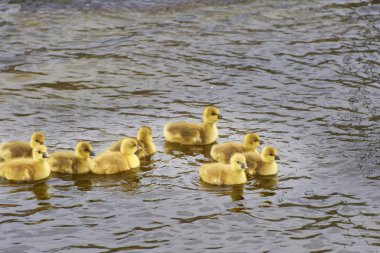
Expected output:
(84, 150)
(252, 141)
(129, 146)
(211, 115)
(36, 139)
(144, 134)
(238, 162)
(269, 154)
(40, 153)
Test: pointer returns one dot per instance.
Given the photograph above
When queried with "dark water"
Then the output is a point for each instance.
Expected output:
(303, 74)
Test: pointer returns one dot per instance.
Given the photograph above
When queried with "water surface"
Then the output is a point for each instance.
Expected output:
(302, 74)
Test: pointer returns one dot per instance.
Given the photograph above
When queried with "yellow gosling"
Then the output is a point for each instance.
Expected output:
(27, 169)
(265, 162)
(145, 141)
(77, 162)
(195, 133)
(111, 162)
(225, 174)
(17, 149)
(223, 152)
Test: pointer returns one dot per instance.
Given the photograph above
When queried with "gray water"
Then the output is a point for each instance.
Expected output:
(302, 74)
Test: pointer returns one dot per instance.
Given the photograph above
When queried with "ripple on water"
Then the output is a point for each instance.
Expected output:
(301, 74)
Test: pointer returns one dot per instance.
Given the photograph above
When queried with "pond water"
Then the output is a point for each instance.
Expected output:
(302, 74)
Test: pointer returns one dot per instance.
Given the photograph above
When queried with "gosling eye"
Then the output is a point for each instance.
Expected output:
(39, 152)
(238, 162)
(214, 114)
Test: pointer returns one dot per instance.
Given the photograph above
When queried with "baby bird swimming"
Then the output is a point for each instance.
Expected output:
(111, 162)
(16, 149)
(145, 141)
(225, 174)
(195, 133)
(223, 152)
(77, 162)
(27, 169)
(263, 164)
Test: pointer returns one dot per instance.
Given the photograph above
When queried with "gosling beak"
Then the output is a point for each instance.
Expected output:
(220, 116)
(276, 157)
(261, 142)
(244, 166)
(45, 155)
(92, 153)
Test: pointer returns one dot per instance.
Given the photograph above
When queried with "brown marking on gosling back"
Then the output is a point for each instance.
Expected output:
(186, 132)
(15, 149)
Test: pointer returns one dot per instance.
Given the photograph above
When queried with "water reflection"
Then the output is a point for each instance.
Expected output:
(40, 189)
(265, 182)
(304, 74)
(126, 180)
(81, 181)
(178, 150)
(235, 192)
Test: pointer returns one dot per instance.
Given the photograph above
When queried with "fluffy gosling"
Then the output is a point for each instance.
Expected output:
(145, 141)
(265, 163)
(195, 133)
(77, 162)
(223, 152)
(225, 174)
(111, 162)
(27, 169)
(17, 149)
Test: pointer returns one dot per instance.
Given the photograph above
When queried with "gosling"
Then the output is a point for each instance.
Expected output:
(223, 152)
(195, 133)
(18, 149)
(145, 141)
(77, 162)
(111, 162)
(225, 174)
(27, 169)
(263, 164)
